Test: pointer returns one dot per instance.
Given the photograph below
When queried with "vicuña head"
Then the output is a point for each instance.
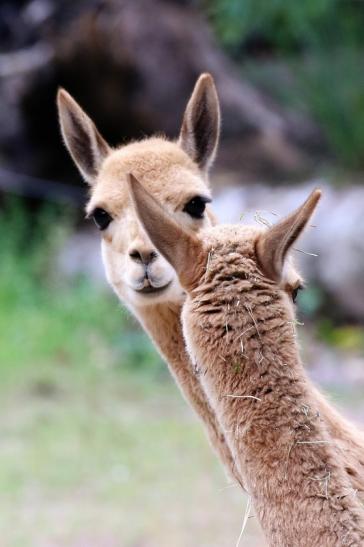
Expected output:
(174, 172)
(230, 269)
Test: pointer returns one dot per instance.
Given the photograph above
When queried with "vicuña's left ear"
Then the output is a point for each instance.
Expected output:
(200, 129)
(82, 139)
(273, 245)
(183, 250)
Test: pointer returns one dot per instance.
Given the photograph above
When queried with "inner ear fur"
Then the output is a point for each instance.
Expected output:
(183, 250)
(274, 244)
(81, 137)
(200, 129)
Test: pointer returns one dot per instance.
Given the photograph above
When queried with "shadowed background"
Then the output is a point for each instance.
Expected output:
(97, 447)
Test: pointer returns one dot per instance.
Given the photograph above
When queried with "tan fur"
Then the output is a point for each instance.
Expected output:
(173, 177)
(238, 323)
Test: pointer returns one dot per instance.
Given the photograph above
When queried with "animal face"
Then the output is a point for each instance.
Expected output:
(139, 274)
(174, 173)
(238, 279)
(220, 257)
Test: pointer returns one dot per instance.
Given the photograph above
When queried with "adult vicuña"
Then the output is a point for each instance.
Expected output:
(176, 174)
(239, 327)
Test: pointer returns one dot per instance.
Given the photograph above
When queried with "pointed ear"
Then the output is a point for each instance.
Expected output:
(83, 141)
(273, 245)
(200, 129)
(183, 250)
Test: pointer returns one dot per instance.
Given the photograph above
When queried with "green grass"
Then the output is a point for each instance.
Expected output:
(109, 460)
(46, 317)
(97, 447)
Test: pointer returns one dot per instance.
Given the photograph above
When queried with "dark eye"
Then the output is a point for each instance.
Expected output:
(196, 206)
(295, 293)
(101, 218)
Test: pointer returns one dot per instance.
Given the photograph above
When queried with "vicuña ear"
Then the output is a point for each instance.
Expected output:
(273, 245)
(83, 141)
(182, 249)
(200, 129)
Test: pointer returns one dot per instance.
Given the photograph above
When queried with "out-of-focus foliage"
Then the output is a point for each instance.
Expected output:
(289, 27)
(310, 301)
(82, 404)
(330, 86)
(48, 320)
(347, 337)
(308, 55)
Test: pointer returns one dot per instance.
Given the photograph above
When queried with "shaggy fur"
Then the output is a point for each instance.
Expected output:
(174, 173)
(238, 322)
(170, 173)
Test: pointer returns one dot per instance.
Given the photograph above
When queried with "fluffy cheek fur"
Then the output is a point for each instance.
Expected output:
(126, 276)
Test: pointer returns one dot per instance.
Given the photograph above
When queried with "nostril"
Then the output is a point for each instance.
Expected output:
(142, 256)
(135, 255)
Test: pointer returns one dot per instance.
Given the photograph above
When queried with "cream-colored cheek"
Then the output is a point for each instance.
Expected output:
(107, 262)
(114, 263)
(161, 269)
(120, 237)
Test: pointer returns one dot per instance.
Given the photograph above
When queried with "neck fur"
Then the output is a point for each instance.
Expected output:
(240, 331)
(163, 324)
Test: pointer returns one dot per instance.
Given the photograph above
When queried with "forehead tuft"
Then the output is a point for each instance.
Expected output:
(223, 239)
(241, 238)
(160, 165)
(153, 154)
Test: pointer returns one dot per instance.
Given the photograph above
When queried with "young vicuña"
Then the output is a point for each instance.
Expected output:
(176, 173)
(239, 326)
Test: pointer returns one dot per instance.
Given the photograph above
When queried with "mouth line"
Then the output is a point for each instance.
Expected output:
(150, 290)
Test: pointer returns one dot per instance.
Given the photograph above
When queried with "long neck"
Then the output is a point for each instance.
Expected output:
(249, 365)
(163, 323)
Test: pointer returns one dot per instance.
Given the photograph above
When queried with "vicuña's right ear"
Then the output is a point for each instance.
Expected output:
(183, 250)
(200, 129)
(274, 245)
(82, 139)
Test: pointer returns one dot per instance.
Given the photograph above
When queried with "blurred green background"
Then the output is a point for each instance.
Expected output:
(306, 55)
(97, 447)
